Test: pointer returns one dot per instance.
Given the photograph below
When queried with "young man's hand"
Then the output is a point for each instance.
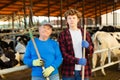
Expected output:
(85, 44)
(82, 61)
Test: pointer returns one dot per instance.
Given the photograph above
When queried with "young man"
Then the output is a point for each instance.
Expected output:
(49, 52)
(71, 43)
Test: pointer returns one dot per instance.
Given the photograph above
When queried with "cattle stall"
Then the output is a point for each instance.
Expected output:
(90, 8)
(18, 70)
(109, 66)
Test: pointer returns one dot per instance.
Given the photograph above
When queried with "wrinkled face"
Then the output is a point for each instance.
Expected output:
(45, 31)
(72, 20)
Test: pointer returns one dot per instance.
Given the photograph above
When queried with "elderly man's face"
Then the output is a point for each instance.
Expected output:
(45, 31)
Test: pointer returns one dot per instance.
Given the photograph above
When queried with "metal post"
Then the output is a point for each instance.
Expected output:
(106, 13)
(25, 23)
(48, 10)
(61, 14)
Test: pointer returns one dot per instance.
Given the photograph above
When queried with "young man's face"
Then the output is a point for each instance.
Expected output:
(72, 20)
(45, 31)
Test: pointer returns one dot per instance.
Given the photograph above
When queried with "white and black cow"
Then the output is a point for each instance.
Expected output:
(103, 40)
(7, 58)
(109, 29)
(21, 46)
(11, 53)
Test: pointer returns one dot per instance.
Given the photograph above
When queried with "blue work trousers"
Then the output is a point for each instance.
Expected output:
(53, 77)
(77, 76)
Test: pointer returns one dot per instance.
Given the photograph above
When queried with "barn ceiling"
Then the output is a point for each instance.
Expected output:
(21, 8)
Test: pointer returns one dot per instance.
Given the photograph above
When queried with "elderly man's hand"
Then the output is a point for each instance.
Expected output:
(48, 71)
(38, 62)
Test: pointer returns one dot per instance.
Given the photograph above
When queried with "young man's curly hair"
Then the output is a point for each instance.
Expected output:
(72, 12)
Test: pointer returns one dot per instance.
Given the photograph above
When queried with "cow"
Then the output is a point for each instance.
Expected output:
(20, 48)
(7, 59)
(109, 29)
(103, 40)
(11, 52)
